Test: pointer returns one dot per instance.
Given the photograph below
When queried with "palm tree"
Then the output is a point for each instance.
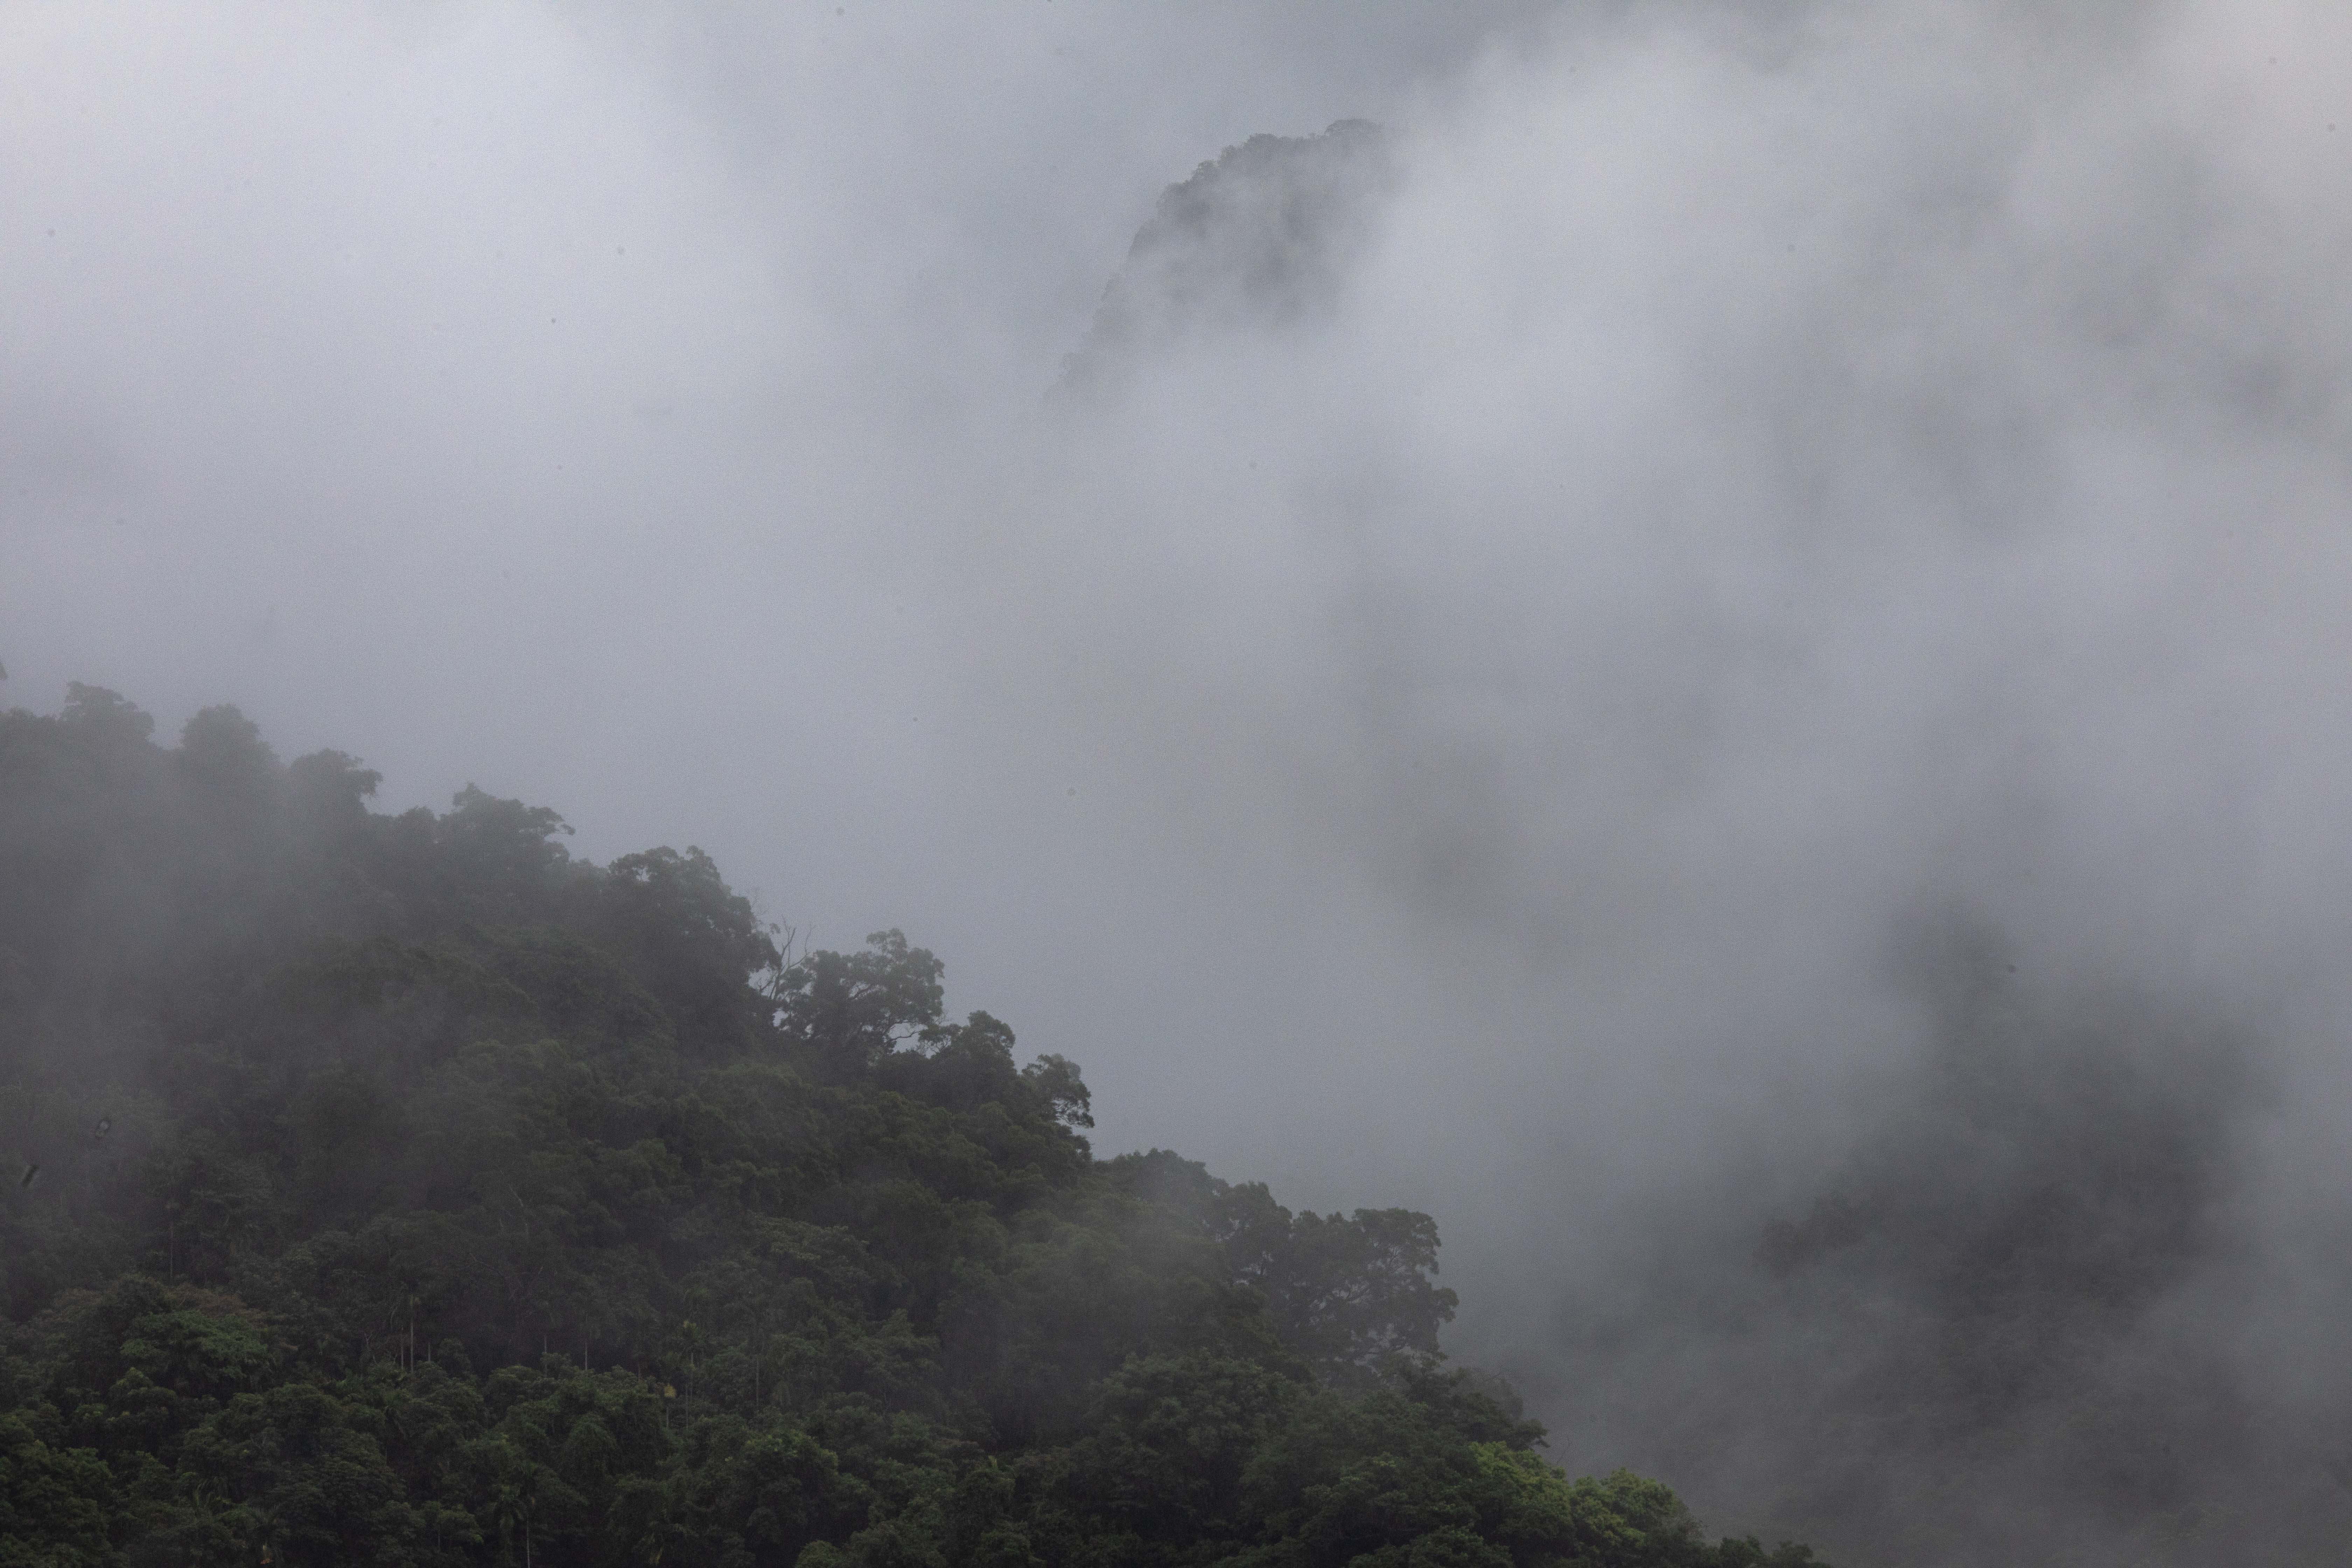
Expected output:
(514, 1502)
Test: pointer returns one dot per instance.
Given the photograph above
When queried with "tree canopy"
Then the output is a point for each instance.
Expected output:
(402, 1189)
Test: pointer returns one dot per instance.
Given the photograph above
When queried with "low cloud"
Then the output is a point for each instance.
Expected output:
(1733, 689)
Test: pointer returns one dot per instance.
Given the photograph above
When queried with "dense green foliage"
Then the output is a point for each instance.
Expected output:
(400, 1189)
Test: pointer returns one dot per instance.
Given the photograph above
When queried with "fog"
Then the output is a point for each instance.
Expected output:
(1741, 620)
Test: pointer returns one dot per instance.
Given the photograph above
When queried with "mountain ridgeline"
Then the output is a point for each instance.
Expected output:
(400, 1189)
(1259, 239)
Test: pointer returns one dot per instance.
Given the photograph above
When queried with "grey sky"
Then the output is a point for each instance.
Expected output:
(1777, 475)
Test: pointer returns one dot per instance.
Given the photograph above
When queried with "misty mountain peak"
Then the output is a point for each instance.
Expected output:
(1260, 237)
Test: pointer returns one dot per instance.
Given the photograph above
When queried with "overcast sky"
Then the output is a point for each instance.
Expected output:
(1777, 474)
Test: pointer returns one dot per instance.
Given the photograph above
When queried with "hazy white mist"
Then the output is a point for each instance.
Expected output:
(1756, 485)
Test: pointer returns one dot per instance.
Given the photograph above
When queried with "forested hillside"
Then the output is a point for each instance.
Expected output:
(400, 1189)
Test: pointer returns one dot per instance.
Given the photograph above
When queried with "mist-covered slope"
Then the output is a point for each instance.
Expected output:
(2020, 1237)
(1470, 724)
(2021, 1316)
(1258, 238)
(400, 1189)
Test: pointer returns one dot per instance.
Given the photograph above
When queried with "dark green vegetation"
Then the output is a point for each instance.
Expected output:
(400, 1189)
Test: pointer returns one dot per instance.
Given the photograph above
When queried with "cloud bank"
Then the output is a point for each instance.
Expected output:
(1735, 687)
